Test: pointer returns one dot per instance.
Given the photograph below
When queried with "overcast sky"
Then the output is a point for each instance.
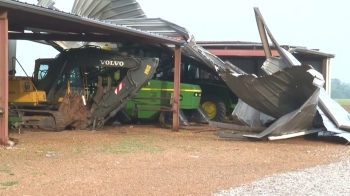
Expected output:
(322, 24)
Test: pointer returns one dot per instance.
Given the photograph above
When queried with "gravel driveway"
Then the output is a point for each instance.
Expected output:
(332, 179)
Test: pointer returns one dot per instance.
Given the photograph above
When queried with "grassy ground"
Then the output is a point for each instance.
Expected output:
(343, 101)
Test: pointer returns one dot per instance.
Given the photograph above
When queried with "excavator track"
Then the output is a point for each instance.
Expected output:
(41, 119)
(60, 121)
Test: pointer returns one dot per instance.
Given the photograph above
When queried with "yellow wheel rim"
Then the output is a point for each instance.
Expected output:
(210, 108)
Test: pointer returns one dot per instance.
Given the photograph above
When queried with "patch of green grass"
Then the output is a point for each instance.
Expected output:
(343, 101)
(7, 170)
(132, 145)
(81, 149)
(9, 183)
(50, 149)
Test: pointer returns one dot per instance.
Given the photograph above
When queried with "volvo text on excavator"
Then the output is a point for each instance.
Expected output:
(80, 88)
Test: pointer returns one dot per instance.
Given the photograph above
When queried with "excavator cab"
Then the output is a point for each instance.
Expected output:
(23, 91)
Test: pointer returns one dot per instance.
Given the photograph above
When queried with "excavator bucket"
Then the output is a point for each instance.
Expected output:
(73, 108)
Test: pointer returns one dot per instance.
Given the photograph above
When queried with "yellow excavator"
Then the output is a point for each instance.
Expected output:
(68, 91)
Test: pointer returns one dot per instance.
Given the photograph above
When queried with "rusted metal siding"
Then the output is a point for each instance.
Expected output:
(240, 52)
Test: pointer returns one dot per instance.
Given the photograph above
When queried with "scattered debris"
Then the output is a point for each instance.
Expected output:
(11, 148)
(52, 154)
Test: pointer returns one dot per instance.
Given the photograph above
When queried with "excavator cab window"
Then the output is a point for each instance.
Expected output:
(62, 79)
(75, 77)
(42, 72)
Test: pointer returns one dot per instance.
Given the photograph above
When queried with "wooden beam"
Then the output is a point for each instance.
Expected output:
(262, 33)
(177, 75)
(4, 78)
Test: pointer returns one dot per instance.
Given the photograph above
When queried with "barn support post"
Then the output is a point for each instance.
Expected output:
(176, 102)
(326, 75)
(4, 78)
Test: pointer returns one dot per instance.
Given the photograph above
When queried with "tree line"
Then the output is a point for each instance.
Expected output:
(339, 89)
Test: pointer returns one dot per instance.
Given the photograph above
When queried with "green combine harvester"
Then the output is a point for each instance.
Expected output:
(202, 89)
(154, 101)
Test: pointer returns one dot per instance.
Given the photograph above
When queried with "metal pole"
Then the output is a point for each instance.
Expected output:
(177, 72)
(4, 78)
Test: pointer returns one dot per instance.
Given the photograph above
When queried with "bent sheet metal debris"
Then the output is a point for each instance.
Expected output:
(291, 98)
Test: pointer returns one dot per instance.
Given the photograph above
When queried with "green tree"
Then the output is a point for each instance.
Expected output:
(339, 89)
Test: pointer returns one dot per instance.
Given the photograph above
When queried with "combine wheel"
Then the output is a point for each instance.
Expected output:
(214, 107)
(165, 119)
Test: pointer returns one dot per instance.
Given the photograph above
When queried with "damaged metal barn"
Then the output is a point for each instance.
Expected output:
(249, 56)
(281, 90)
(287, 99)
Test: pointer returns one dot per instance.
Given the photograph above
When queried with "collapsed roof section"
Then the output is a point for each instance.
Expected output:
(154, 25)
(310, 109)
(108, 9)
(126, 13)
(103, 10)
(24, 17)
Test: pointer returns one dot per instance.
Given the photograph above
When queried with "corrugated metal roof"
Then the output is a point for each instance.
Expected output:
(23, 15)
(102, 10)
(154, 25)
(46, 3)
(108, 9)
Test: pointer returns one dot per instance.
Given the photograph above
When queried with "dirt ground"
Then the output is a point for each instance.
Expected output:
(147, 160)
(346, 107)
